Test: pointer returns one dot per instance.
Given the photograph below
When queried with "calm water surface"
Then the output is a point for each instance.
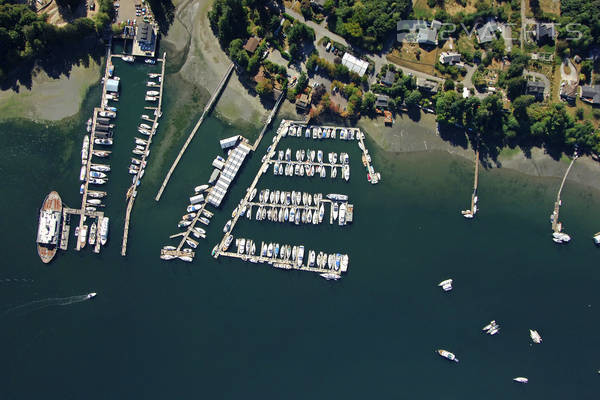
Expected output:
(228, 329)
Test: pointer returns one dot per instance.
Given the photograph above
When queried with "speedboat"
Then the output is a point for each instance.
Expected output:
(535, 336)
(91, 295)
(446, 354)
(521, 379)
(150, 61)
(446, 285)
(334, 210)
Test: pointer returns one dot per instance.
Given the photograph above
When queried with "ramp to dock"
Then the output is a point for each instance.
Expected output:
(207, 109)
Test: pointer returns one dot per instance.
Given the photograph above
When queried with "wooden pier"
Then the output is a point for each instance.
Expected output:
(263, 168)
(132, 191)
(269, 120)
(556, 225)
(207, 109)
(372, 176)
(279, 263)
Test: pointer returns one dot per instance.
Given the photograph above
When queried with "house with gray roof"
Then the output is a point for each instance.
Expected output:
(487, 32)
(544, 31)
(536, 88)
(590, 94)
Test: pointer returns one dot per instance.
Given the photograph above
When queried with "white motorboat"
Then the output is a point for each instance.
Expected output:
(100, 167)
(597, 239)
(104, 231)
(91, 295)
(448, 355)
(186, 258)
(535, 336)
(330, 276)
(85, 149)
(334, 210)
(92, 236)
(446, 285)
(521, 379)
(152, 93)
(227, 226)
(201, 188)
(106, 142)
(129, 59)
(82, 173)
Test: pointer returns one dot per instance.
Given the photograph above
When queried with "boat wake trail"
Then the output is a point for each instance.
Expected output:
(44, 303)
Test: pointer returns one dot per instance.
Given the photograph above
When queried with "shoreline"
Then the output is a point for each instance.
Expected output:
(50, 99)
(407, 136)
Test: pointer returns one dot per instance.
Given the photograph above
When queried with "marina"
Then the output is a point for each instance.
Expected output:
(294, 206)
(142, 148)
(300, 129)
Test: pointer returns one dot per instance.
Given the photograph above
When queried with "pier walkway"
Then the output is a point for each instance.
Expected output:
(84, 196)
(277, 262)
(556, 225)
(207, 109)
(132, 191)
(470, 213)
(263, 168)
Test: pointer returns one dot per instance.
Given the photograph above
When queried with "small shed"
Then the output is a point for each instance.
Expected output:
(229, 142)
(112, 85)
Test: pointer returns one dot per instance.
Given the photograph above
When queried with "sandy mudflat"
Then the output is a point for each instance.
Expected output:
(50, 99)
(409, 136)
(205, 63)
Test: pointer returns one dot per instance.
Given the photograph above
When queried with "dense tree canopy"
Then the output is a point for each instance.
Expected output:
(26, 38)
(367, 23)
(229, 20)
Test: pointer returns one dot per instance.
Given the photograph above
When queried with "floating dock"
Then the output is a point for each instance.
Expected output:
(207, 109)
(556, 224)
(132, 191)
(470, 213)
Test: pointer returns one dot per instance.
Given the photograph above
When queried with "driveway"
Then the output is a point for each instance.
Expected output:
(378, 59)
(572, 75)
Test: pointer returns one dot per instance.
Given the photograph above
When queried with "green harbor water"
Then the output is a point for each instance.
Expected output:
(228, 329)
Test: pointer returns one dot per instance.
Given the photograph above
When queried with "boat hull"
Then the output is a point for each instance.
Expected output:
(52, 202)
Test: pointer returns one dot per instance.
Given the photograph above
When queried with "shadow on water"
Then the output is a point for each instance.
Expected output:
(55, 63)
